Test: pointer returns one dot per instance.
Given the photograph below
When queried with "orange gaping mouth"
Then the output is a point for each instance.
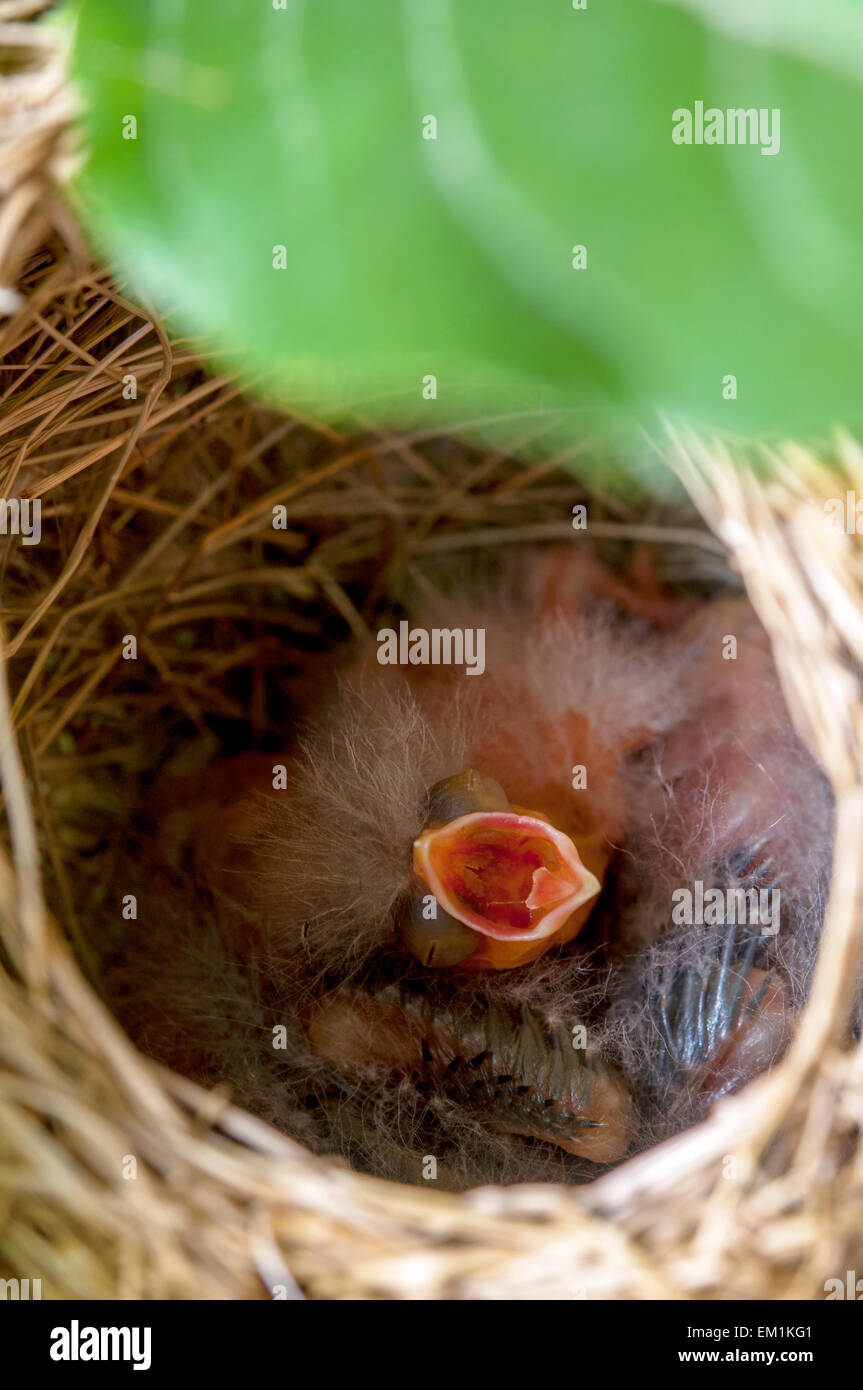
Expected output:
(508, 876)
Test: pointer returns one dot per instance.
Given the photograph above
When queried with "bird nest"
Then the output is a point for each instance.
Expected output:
(157, 480)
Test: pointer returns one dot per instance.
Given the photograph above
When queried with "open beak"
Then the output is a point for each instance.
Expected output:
(508, 876)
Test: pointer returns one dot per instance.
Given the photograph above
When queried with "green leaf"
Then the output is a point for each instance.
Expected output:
(301, 127)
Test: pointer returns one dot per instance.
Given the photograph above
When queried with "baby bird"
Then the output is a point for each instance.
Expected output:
(442, 923)
(736, 826)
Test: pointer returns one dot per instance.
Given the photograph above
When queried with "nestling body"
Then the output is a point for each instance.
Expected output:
(453, 912)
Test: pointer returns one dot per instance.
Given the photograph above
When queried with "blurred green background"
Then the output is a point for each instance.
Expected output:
(265, 124)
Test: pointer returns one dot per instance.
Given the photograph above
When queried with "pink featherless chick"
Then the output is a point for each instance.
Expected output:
(404, 892)
(435, 834)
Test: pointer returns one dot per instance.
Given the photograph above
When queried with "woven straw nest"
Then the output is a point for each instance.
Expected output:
(152, 516)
